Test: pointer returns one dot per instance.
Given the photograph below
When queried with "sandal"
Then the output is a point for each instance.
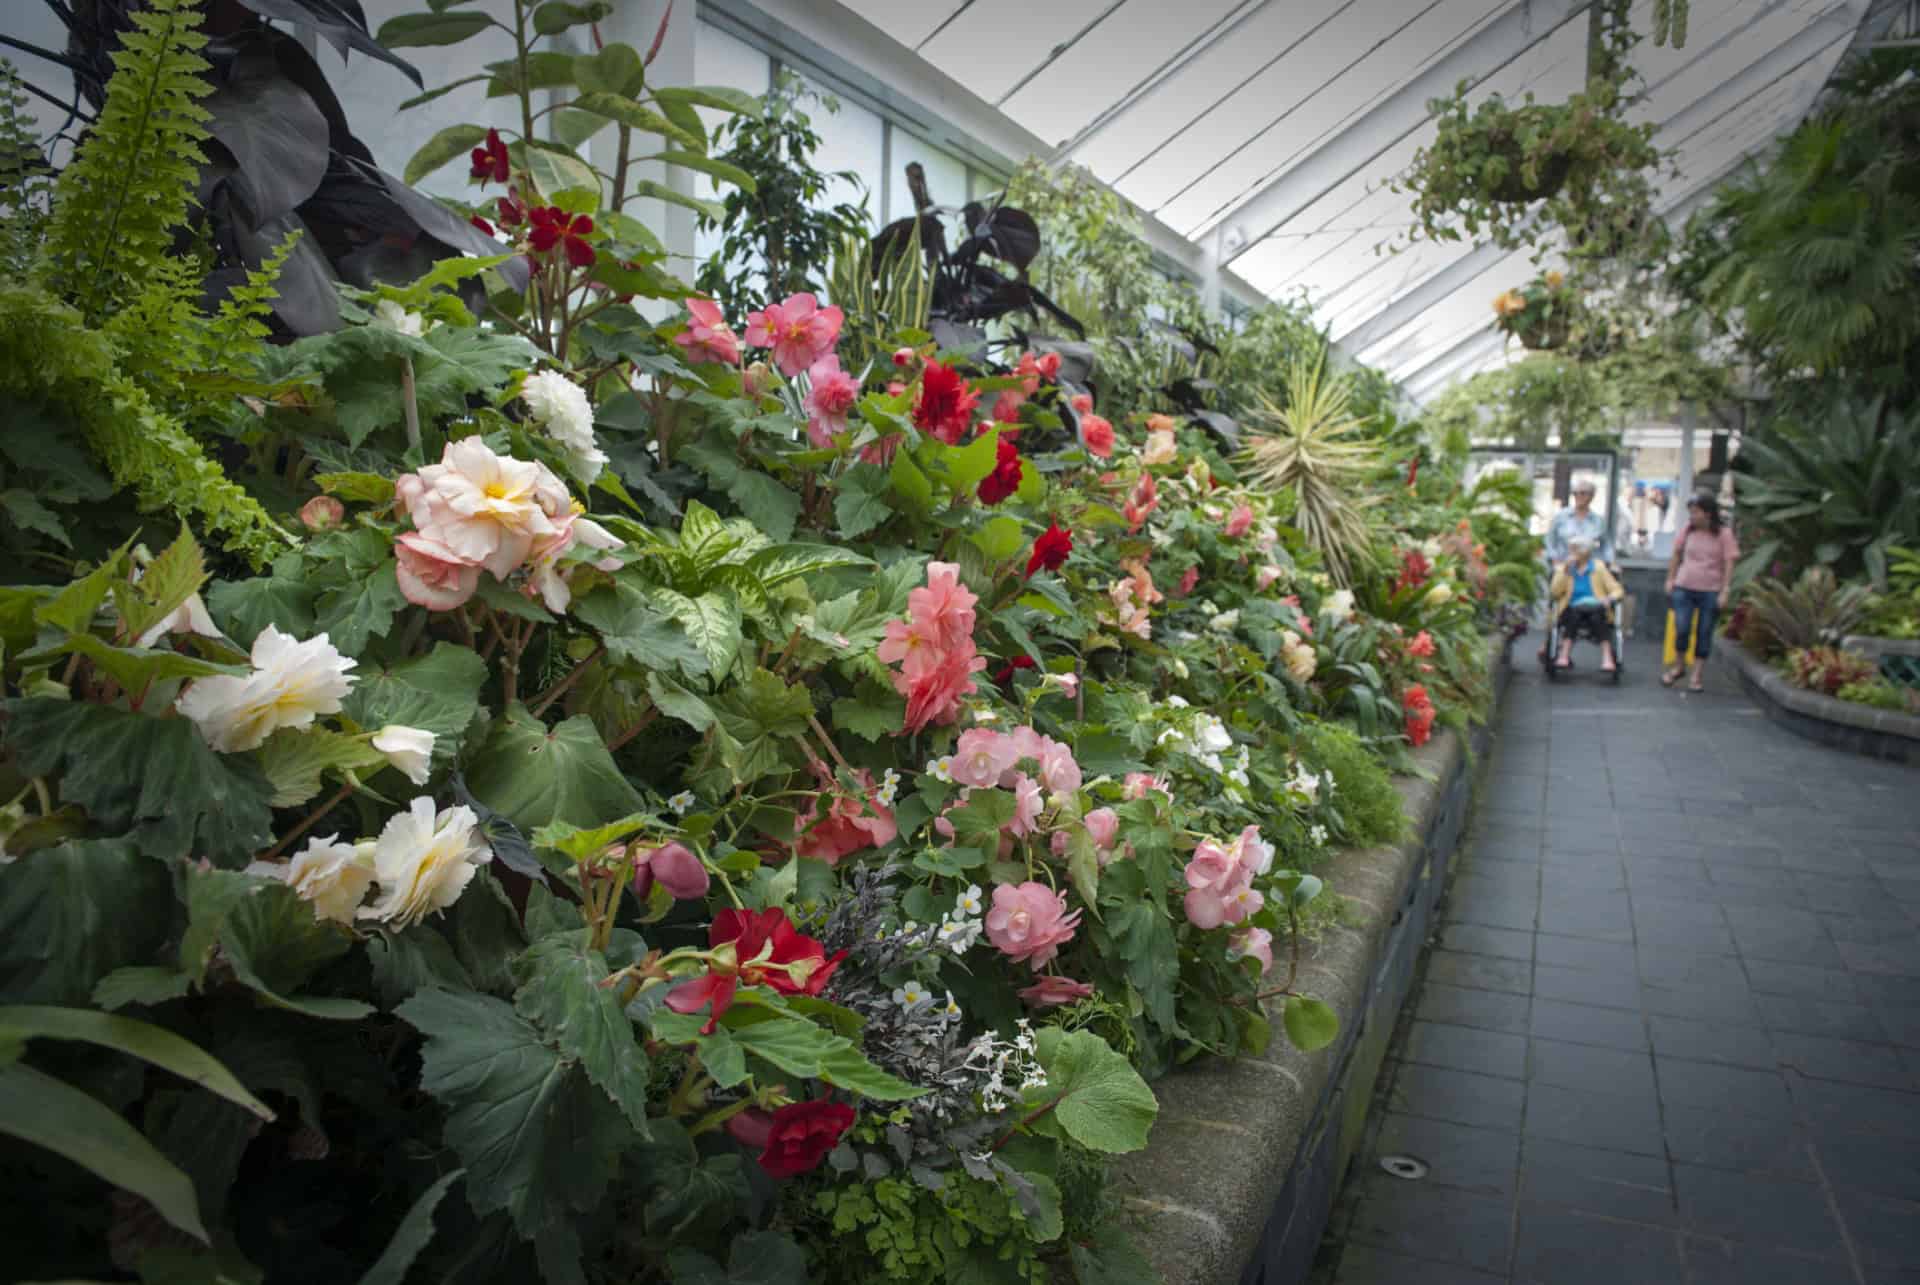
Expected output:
(1671, 677)
(1696, 687)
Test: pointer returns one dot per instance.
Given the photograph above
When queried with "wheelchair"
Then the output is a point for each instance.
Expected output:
(1552, 649)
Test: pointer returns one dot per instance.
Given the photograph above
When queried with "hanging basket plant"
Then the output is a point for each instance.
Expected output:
(1539, 314)
(1504, 172)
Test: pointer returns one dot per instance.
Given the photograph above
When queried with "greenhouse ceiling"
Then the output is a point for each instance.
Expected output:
(1267, 131)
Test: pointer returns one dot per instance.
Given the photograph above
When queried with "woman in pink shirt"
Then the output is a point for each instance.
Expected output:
(1698, 576)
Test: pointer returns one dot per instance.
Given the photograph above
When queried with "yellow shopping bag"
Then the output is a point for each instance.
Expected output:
(1670, 652)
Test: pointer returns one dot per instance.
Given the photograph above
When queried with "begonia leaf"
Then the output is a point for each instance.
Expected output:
(533, 775)
(1097, 1098)
(75, 913)
(438, 692)
(560, 992)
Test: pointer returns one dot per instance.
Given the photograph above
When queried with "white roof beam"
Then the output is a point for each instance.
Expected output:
(1348, 153)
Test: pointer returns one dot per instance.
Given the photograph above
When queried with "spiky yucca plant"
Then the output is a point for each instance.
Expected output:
(1309, 446)
(1813, 610)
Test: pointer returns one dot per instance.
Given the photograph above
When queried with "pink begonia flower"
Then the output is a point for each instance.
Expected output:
(1141, 502)
(934, 648)
(831, 393)
(854, 822)
(674, 867)
(798, 329)
(1103, 827)
(1026, 807)
(1096, 434)
(1058, 770)
(1252, 943)
(1138, 783)
(903, 356)
(707, 336)
(1053, 990)
(1029, 921)
(322, 513)
(547, 578)
(1027, 743)
(1130, 615)
(981, 756)
(1058, 844)
(1219, 887)
(1263, 578)
(1082, 404)
(1188, 579)
(431, 575)
(1239, 522)
(1006, 407)
(1253, 852)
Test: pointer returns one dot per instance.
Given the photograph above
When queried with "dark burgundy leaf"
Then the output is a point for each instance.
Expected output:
(342, 22)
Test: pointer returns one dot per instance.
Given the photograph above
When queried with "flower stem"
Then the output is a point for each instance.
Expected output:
(312, 819)
(560, 688)
(641, 725)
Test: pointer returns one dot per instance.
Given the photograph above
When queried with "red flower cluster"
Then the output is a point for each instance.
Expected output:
(1419, 710)
(945, 409)
(767, 951)
(490, 160)
(1050, 550)
(553, 226)
(1004, 674)
(794, 1139)
(1005, 478)
(1421, 644)
(1414, 570)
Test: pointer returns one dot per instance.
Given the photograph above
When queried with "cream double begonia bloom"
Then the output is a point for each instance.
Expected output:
(487, 509)
(331, 875)
(423, 861)
(292, 683)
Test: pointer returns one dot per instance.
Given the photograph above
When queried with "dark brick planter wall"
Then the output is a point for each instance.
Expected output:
(1248, 1154)
(1843, 725)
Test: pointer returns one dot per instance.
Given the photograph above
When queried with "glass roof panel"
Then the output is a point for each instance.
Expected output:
(997, 44)
(908, 21)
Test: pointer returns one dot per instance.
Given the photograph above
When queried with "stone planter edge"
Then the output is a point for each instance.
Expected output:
(1878, 733)
(1208, 1193)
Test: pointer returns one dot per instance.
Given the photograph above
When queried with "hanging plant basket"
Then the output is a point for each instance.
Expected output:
(1539, 314)
(1542, 334)
(1513, 188)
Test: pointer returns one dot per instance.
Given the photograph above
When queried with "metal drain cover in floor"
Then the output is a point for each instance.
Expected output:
(1408, 1167)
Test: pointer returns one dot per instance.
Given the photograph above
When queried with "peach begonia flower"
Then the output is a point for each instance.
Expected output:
(1029, 921)
(798, 329)
(707, 336)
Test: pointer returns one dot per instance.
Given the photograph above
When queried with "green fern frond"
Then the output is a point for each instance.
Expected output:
(129, 186)
(48, 355)
(159, 332)
(237, 332)
(24, 178)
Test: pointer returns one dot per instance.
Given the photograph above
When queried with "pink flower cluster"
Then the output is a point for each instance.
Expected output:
(831, 393)
(1029, 921)
(1030, 371)
(477, 511)
(1220, 880)
(986, 759)
(934, 648)
(853, 822)
(708, 337)
(1132, 595)
(1141, 502)
(798, 329)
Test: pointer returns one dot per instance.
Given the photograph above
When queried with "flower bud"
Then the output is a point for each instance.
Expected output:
(903, 356)
(322, 513)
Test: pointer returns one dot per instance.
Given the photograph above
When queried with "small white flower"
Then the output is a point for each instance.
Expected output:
(951, 1008)
(424, 861)
(1318, 834)
(958, 935)
(1226, 621)
(1213, 735)
(969, 903)
(292, 683)
(681, 803)
(559, 404)
(941, 769)
(913, 996)
(1207, 608)
(1179, 668)
(391, 316)
(408, 748)
(1338, 605)
(985, 716)
(190, 617)
(889, 788)
(1176, 702)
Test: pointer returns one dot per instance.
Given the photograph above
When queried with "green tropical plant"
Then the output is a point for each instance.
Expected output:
(1311, 447)
(1834, 489)
(777, 230)
(1812, 610)
(883, 303)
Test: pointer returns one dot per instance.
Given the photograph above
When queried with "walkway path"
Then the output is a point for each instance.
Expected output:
(1670, 1030)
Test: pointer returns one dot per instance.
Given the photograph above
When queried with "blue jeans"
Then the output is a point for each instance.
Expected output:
(1687, 602)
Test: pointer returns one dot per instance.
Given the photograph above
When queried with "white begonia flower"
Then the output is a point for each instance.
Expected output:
(951, 1008)
(969, 902)
(913, 996)
(1226, 621)
(1179, 668)
(190, 617)
(562, 407)
(291, 684)
(1214, 737)
(1440, 594)
(681, 803)
(889, 788)
(1338, 605)
(423, 861)
(333, 876)
(392, 316)
(408, 748)
(1176, 701)
(941, 769)
(959, 935)
(1318, 834)
(1304, 782)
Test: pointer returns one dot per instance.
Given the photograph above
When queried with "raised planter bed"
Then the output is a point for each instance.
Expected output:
(1248, 1154)
(1845, 725)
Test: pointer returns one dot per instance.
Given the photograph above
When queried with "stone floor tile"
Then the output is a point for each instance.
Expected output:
(1687, 1085)
(1708, 1002)
(1586, 1024)
(1582, 952)
(1832, 1106)
(1462, 1006)
(1365, 1265)
(1829, 1018)
(1462, 1048)
(1885, 1231)
(1482, 972)
(1725, 1262)
(1428, 1222)
(1603, 988)
(1612, 1184)
(1735, 1043)
(1460, 1097)
(1590, 1069)
(1606, 1121)
(1779, 977)
(1886, 1166)
(1756, 1209)
(1725, 1138)
(1849, 1060)
(1479, 940)
(1558, 1247)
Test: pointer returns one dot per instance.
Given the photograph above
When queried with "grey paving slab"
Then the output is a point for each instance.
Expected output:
(1671, 1032)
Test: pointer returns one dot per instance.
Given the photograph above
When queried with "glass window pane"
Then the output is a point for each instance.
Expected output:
(946, 175)
(850, 139)
(727, 61)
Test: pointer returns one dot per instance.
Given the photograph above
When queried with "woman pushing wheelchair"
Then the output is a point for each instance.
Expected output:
(1584, 596)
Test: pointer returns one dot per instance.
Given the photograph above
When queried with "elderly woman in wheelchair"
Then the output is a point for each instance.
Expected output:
(1585, 596)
